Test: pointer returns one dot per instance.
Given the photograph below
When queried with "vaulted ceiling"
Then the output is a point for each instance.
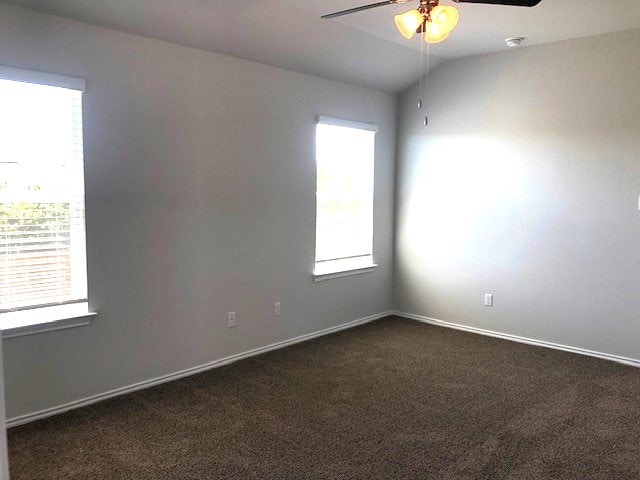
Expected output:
(364, 48)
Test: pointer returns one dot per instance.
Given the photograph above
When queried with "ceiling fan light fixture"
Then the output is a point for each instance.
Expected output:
(409, 22)
(445, 17)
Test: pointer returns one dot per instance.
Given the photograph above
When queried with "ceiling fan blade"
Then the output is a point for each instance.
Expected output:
(364, 7)
(514, 3)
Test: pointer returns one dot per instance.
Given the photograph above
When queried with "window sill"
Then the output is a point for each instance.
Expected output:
(340, 269)
(48, 319)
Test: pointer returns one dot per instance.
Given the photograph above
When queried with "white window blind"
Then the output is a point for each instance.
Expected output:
(344, 208)
(42, 222)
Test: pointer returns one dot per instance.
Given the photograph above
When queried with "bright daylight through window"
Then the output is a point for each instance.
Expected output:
(344, 209)
(42, 223)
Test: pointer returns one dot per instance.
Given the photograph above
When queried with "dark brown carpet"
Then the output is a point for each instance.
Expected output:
(394, 399)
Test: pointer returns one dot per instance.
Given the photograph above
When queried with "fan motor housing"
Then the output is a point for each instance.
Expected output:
(427, 5)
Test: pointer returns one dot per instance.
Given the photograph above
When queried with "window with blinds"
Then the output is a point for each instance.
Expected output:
(42, 223)
(344, 198)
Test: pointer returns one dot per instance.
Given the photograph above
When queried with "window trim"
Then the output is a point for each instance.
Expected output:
(47, 319)
(334, 270)
(339, 122)
(337, 268)
(52, 317)
(42, 78)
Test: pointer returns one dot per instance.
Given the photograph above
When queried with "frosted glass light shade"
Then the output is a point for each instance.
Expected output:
(435, 34)
(409, 22)
(445, 17)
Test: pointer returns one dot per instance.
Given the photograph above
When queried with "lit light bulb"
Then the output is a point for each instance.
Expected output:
(434, 34)
(445, 17)
(409, 22)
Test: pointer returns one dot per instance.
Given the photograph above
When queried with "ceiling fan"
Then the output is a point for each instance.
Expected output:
(433, 20)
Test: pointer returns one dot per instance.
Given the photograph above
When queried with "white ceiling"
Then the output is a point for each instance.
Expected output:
(363, 48)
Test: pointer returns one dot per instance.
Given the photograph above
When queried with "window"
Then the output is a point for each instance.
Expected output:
(42, 223)
(344, 197)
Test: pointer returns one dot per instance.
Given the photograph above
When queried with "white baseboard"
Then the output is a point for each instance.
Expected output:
(515, 338)
(48, 412)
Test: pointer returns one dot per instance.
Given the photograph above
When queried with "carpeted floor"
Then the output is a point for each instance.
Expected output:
(394, 399)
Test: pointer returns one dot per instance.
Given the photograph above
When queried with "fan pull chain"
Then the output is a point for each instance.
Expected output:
(426, 89)
(420, 76)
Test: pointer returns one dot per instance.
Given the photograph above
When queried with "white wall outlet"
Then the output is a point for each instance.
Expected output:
(488, 299)
(276, 309)
(231, 319)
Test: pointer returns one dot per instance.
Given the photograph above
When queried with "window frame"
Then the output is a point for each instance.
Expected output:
(342, 267)
(59, 316)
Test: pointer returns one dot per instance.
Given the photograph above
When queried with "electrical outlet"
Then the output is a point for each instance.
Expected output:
(231, 319)
(276, 309)
(488, 299)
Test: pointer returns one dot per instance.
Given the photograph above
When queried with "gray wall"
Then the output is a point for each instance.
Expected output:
(526, 186)
(200, 181)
